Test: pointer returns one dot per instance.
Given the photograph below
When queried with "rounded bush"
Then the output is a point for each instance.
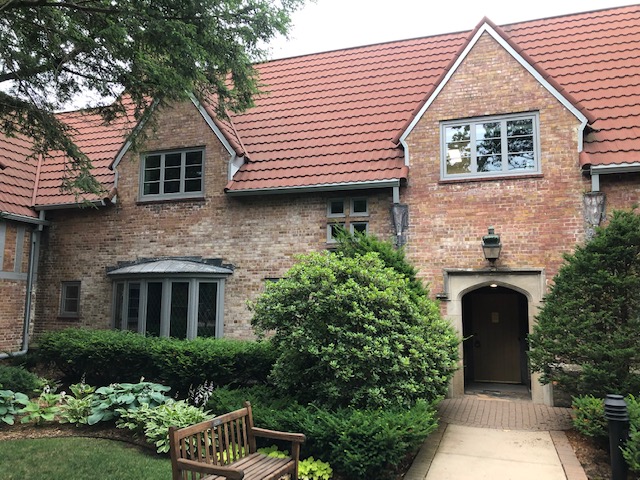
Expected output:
(350, 332)
(18, 379)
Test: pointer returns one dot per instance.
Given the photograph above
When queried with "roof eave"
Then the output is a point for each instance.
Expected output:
(326, 187)
(23, 218)
(627, 167)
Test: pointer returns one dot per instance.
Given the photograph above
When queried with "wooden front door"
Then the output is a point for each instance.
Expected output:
(496, 342)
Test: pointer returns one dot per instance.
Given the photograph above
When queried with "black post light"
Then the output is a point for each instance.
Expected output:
(491, 246)
(615, 411)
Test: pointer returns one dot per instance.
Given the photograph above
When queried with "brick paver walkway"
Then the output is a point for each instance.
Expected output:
(474, 411)
(487, 412)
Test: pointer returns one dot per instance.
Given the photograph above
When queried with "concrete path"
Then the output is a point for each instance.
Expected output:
(486, 438)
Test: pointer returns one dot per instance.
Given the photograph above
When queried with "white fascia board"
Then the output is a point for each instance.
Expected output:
(60, 206)
(127, 145)
(212, 124)
(23, 219)
(619, 168)
(486, 28)
(322, 187)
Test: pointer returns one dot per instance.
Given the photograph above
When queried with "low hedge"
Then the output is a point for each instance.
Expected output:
(358, 444)
(102, 357)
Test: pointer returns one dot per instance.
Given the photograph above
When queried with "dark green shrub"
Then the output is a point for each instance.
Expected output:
(586, 337)
(19, 380)
(351, 245)
(359, 444)
(631, 450)
(588, 416)
(349, 333)
(103, 357)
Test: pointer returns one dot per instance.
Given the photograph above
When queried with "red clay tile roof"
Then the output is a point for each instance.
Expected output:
(596, 58)
(99, 142)
(334, 118)
(17, 176)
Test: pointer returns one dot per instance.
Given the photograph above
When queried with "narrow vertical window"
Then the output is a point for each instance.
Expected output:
(70, 299)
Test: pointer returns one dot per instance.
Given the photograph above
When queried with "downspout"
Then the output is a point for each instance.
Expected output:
(35, 246)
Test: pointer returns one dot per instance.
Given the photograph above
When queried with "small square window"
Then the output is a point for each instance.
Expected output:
(359, 207)
(359, 227)
(70, 299)
(333, 230)
(335, 208)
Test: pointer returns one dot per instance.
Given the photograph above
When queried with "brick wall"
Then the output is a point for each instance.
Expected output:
(258, 235)
(538, 217)
(13, 285)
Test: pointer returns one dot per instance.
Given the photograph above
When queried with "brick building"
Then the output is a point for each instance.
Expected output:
(530, 128)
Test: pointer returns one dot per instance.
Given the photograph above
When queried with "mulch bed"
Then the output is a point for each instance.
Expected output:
(594, 456)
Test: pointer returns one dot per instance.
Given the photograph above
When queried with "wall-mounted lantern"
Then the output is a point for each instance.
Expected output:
(491, 246)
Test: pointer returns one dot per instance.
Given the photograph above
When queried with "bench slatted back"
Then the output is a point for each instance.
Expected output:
(219, 441)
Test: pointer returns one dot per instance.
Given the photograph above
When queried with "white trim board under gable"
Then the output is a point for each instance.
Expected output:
(207, 118)
(486, 28)
(235, 162)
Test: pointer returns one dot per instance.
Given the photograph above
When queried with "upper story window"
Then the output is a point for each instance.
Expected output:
(490, 146)
(176, 174)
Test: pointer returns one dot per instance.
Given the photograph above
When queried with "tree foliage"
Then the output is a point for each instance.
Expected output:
(162, 49)
(349, 333)
(586, 337)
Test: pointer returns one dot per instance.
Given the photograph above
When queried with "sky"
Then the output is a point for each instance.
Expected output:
(335, 24)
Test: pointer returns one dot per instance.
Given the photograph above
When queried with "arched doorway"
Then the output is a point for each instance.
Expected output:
(495, 326)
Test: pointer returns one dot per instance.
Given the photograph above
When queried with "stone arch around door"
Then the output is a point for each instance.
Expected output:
(530, 283)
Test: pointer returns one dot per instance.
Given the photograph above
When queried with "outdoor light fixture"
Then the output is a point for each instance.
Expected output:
(491, 246)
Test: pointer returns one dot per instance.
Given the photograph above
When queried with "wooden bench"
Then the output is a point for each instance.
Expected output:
(225, 447)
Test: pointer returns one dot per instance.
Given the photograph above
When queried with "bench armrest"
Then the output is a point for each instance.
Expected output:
(275, 435)
(193, 466)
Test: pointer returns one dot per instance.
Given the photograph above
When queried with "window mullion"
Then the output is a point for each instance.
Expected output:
(504, 146)
(124, 319)
(183, 171)
(142, 308)
(472, 140)
(220, 309)
(192, 309)
(165, 310)
(162, 166)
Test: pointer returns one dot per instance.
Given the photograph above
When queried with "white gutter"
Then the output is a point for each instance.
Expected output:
(33, 254)
(314, 188)
(23, 219)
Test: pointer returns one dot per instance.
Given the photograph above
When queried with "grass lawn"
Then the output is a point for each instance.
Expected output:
(79, 458)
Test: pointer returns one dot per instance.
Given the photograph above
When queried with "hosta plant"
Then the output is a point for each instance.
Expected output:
(154, 421)
(108, 401)
(10, 405)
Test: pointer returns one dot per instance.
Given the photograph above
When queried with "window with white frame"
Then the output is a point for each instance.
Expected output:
(347, 214)
(490, 146)
(70, 299)
(170, 307)
(174, 174)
